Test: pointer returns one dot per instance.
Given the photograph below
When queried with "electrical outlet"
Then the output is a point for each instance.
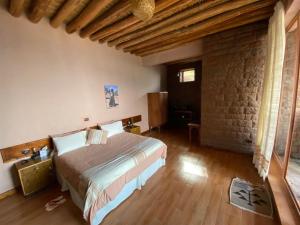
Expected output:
(86, 119)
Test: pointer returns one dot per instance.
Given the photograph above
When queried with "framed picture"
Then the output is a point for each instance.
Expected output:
(111, 93)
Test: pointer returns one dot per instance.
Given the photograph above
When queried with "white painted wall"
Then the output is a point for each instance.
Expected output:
(50, 81)
(189, 50)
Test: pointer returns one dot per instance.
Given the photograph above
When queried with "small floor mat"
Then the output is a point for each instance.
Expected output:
(54, 203)
(253, 198)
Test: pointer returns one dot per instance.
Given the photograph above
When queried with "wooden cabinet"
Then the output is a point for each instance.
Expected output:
(133, 129)
(35, 174)
(157, 109)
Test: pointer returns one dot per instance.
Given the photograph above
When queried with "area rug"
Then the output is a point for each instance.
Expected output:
(253, 198)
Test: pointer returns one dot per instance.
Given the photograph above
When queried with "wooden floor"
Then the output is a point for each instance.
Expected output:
(192, 189)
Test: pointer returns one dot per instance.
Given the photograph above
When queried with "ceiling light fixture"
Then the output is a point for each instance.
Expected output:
(143, 9)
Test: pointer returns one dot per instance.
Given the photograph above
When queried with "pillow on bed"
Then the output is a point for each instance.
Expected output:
(113, 128)
(96, 137)
(70, 142)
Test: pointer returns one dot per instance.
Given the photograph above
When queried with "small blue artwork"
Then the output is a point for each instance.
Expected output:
(111, 93)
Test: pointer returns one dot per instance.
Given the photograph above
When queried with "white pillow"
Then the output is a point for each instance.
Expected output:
(113, 128)
(70, 142)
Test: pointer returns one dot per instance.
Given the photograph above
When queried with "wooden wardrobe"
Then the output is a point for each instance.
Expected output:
(157, 109)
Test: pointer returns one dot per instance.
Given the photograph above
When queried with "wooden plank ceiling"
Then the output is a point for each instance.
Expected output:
(175, 22)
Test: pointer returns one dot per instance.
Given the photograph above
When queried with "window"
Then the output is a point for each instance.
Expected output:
(287, 144)
(186, 75)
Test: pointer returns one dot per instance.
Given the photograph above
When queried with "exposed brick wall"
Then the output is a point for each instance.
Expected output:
(232, 76)
(286, 94)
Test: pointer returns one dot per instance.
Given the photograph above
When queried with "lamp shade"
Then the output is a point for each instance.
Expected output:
(143, 9)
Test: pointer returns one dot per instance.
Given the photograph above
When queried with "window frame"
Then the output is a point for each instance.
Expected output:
(283, 164)
(181, 75)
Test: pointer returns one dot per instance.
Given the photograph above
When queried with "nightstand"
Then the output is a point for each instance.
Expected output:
(133, 129)
(35, 174)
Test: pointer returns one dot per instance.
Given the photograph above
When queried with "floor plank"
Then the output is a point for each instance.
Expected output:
(192, 189)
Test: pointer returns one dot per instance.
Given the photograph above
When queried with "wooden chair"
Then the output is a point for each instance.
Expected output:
(192, 126)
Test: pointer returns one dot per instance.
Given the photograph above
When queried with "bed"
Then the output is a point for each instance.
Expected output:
(100, 177)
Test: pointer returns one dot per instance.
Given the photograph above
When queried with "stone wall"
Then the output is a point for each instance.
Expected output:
(286, 94)
(295, 153)
(232, 76)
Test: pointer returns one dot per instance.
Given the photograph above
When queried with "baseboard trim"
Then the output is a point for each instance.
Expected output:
(8, 193)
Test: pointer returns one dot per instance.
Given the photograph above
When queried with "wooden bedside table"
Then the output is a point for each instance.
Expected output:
(133, 129)
(35, 174)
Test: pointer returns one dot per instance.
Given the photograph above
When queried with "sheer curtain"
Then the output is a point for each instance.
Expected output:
(267, 121)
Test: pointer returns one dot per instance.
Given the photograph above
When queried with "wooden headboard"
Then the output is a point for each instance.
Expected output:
(16, 152)
(134, 119)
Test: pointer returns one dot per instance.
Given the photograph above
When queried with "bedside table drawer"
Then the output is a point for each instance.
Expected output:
(36, 177)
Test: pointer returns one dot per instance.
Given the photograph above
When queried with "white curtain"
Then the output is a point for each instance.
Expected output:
(267, 121)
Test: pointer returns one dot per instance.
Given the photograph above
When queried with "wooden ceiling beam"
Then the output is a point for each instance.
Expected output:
(204, 24)
(169, 44)
(169, 21)
(178, 22)
(63, 12)
(178, 44)
(117, 12)
(175, 22)
(39, 10)
(238, 21)
(123, 24)
(16, 7)
(181, 7)
(112, 29)
(93, 9)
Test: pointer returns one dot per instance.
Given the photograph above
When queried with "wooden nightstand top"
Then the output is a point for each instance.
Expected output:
(31, 162)
(132, 126)
(133, 129)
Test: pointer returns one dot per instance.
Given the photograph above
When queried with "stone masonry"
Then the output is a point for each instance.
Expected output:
(286, 94)
(232, 76)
